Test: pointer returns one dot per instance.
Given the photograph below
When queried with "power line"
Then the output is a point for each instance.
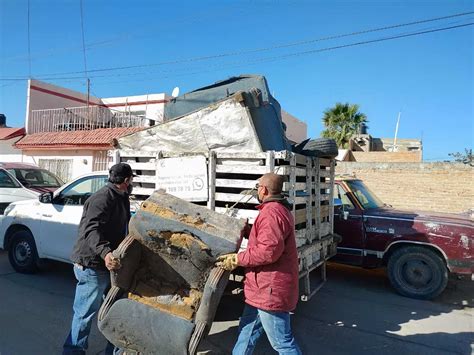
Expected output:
(286, 56)
(272, 59)
(265, 49)
(196, 16)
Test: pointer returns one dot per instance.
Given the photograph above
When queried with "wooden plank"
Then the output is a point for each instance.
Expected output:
(259, 169)
(331, 193)
(282, 154)
(163, 154)
(300, 242)
(309, 200)
(239, 156)
(292, 191)
(300, 233)
(250, 184)
(302, 215)
(300, 236)
(244, 184)
(314, 235)
(232, 198)
(299, 186)
(240, 198)
(252, 162)
(211, 203)
(149, 179)
(242, 169)
(270, 161)
(142, 191)
(325, 197)
(239, 213)
(324, 211)
(299, 159)
(324, 229)
(138, 154)
(298, 200)
(115, 157)
(325, 173)
(142, 166)
(324, 214)
(321, 185)
(324, 162)
(287, 170)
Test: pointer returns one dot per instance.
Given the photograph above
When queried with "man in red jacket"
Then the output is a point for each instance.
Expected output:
(271, 272)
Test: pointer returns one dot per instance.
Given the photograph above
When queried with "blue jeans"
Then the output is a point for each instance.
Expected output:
(276, 325)
(90, 289)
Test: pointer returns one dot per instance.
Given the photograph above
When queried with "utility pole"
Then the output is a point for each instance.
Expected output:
(88, 98)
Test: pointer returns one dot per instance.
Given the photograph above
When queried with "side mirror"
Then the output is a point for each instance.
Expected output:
(337, 202)
(345, 215)
(46, 197)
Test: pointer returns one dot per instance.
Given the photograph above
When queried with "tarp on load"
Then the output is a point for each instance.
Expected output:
(265, 112)
(223, 126)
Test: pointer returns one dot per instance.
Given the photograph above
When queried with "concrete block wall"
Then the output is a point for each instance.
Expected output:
(441, 187)
(414, 157)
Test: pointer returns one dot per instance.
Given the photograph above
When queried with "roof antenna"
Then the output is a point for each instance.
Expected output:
(394, 147)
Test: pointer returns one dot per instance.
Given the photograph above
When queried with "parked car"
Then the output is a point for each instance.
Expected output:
(11, 190)
(46, 227)
(33, 177)
(419, 249)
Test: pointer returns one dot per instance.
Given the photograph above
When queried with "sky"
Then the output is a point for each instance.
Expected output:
(190, 44)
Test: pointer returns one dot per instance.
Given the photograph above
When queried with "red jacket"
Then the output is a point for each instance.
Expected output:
(271, 259)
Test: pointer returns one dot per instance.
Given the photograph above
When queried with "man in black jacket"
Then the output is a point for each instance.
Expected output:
(104, 224)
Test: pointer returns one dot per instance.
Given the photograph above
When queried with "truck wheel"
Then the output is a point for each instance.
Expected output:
(321, 147)
(417, 272)
(22, 252)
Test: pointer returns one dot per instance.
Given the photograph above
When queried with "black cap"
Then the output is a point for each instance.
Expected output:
(121, 170)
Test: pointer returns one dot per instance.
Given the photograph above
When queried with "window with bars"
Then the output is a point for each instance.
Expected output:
(62, 168)
(101, 160)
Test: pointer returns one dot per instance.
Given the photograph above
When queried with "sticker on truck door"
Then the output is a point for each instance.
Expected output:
(380, 230)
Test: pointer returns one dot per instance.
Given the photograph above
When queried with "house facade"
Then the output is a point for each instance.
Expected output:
(8, 138)
(71, 133)
(365, 148)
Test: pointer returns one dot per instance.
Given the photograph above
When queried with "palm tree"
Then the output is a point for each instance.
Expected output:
(341, 122)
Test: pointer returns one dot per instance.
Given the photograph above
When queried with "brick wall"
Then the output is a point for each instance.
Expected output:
(442, 187)
(387, 156)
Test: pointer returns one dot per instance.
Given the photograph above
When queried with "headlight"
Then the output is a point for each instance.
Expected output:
(9, 208)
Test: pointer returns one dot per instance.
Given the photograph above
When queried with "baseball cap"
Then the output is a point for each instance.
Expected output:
(122, 170)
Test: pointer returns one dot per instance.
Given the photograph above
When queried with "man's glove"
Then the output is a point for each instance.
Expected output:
(228, 261)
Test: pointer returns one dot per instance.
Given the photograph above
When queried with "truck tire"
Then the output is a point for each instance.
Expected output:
(22, 252)
(417, 272)
(321, 148)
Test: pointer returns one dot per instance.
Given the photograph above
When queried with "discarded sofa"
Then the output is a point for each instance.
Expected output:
(225, 126)
(264, 109)
(164, 297)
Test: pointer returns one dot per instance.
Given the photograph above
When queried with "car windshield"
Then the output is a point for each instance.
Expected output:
(6, 181)
(366, 197)
(31, 177)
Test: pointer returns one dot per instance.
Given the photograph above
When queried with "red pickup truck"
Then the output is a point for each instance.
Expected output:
(419, 249)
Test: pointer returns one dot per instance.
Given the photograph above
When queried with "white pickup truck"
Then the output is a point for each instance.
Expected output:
(46, 227)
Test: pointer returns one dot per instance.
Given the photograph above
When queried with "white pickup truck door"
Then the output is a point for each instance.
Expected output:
(60, 219)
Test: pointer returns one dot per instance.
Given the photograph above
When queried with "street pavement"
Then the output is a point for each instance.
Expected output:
(356, 312)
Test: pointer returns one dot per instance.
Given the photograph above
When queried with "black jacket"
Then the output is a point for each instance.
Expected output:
(103, 226)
